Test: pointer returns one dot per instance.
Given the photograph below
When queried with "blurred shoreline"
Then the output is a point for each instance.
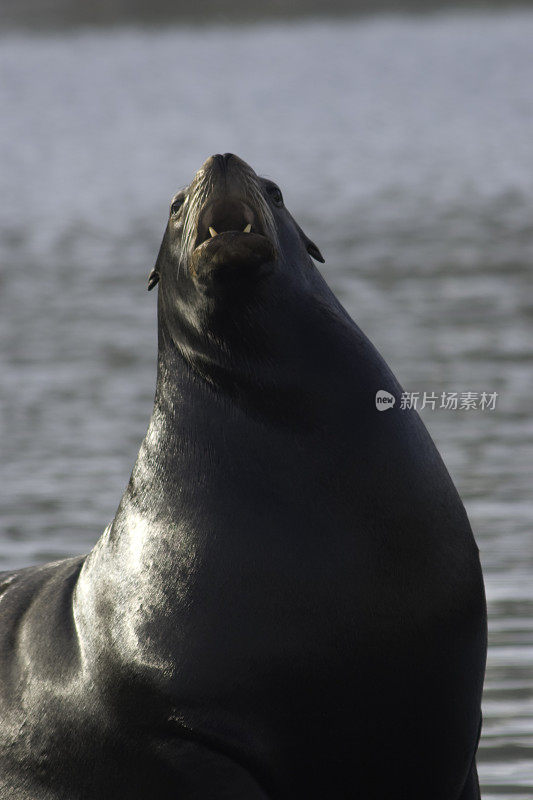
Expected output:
(53, 15)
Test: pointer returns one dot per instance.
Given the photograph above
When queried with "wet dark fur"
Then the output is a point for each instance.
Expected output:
(289, 601)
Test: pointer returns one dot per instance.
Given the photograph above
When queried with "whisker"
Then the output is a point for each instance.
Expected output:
(201, 190)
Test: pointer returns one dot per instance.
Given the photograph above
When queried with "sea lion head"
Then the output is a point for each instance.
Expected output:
(227, 230)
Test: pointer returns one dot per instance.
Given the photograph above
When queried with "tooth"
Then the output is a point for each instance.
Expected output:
(213, 232)
(248, 228)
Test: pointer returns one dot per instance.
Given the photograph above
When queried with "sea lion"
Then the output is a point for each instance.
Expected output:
(289, 601)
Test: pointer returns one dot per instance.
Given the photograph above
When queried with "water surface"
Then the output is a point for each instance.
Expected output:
(404, 148)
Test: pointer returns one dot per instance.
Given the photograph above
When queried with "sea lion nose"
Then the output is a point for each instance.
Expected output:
(223, 161)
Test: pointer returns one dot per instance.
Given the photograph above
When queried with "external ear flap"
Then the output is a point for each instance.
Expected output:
(313, 250)
(153, 279)
(310, 246)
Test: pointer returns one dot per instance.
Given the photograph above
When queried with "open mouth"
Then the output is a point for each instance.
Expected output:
(227, 216)
(230, 241)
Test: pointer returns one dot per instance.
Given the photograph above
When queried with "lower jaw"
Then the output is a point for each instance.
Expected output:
(232, 255)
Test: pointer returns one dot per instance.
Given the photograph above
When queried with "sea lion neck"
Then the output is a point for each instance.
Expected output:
(282, 336)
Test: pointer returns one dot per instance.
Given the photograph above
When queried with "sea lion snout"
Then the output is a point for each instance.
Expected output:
(230, 224)
(225, 162)
(226, 214)
(225, 175)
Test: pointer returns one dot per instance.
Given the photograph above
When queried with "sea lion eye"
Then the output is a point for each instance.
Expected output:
(176, 205)
(275, 194)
